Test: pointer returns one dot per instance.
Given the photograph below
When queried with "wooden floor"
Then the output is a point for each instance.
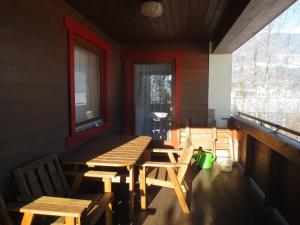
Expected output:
(217, 198)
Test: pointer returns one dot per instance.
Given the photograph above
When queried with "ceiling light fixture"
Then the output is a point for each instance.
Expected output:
(152, 8)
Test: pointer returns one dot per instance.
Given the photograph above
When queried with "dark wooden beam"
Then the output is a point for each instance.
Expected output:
(256, 15)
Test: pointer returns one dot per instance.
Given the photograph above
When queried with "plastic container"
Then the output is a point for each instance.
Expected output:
(225, 165)
(205, 160)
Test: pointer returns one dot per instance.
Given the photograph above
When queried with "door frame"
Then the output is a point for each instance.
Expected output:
(138, 57)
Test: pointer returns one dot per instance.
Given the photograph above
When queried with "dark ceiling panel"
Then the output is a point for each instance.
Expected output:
(182, 20)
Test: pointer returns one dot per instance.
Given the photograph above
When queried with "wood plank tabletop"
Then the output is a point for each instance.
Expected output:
(116, 151)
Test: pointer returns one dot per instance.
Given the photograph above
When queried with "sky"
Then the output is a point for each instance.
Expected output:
(292, 16)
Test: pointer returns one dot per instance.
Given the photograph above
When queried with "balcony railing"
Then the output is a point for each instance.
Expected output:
(271, 160)
(275, 127)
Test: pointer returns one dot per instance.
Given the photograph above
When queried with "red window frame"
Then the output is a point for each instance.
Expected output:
(75, 30)
(129, 60)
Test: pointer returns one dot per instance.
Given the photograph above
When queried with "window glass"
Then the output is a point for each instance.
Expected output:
(153, 100)
(87, 85)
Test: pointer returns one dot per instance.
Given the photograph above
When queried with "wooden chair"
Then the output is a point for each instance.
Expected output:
(174, 173)
(44, 176)
(4, 216)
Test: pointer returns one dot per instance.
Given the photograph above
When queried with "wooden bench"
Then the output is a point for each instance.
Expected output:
(45, 177)
(4, 216)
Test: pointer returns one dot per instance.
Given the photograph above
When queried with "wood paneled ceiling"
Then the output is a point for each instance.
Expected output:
(182, 20)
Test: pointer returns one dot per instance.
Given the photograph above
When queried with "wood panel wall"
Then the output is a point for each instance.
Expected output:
(34, 99)
(194, 87)
(260, 167)
(290, 194)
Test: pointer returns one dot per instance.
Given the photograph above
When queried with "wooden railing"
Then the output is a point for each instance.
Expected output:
(272, 160)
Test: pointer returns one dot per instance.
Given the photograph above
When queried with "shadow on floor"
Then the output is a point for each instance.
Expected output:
(216, 198)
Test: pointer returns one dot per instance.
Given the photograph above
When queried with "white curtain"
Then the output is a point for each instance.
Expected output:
(152, 97)
(87, 93)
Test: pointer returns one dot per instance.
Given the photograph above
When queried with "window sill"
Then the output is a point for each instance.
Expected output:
(87, 134)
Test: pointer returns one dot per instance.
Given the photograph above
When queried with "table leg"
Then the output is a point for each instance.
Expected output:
(131, 191)
(107, 185)
(77, 181)
(108, 209)
(143, 188)
(76, 184)
(27, 219)
(147, 155)
(78, 221)
(70, 220)
(108, 214)
(171, 157)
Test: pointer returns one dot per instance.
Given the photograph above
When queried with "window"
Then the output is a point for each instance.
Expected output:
(88, 73)
(88, 83)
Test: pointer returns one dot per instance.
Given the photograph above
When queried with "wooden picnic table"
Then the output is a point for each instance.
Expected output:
(112, 151)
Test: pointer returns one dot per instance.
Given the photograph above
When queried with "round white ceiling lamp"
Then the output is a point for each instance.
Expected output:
(152, 8)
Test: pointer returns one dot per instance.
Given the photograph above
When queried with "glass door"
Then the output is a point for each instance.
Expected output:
(153, 100)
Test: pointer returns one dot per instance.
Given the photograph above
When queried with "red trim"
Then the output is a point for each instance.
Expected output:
(82, 136)
(129, 60)
(128, 100)
(153, 55)
(177, 90)
(72, 81)
(75, 29)
(105, 88)
(84, 33)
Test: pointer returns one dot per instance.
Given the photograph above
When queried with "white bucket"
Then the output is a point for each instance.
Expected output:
(225, 164)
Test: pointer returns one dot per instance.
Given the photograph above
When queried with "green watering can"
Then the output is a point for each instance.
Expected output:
(205, 160)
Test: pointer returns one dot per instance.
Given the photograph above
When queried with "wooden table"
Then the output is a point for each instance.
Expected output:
(71, 209)
(112, 151)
